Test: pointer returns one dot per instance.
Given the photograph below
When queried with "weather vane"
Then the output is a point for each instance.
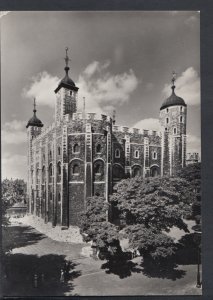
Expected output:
(67, 59)
(174, 75)
(34, 105)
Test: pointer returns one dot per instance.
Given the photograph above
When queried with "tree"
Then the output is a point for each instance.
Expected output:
(146, 208)
(13, 191)
(192, 174)
(150, 207)
(94, 226)
(157, 203)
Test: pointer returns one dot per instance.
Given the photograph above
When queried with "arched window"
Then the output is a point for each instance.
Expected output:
(154, 171)
(59, 197)
(117, 153)
(50, 154)
(181, 108)
(136, 154)
(97, 168)
(37, 176)
(175, 130)
(50, 173)
(76, 169)
(43, 157)
(98, 148)
(181, 119)
(76, 148)
(154, 155)
(167, 120)
(136, 171)
(59, 150)
(167, 110)
(59, 172)
(59, 168)
(43, 174)
(166, 129)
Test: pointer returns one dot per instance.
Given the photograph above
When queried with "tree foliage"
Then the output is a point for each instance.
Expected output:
(150, 207)
(94, 226)
(147, 208)
(157, 203)
(192, 174)
(13, 191)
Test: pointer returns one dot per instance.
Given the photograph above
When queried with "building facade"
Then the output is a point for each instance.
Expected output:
(84, 154)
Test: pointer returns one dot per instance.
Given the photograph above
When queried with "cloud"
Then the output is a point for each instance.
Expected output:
(148, 124)
(42, 88)
(187, 87)
(95, 67)
(14, 166)
(193, 144)
(103, 90)
(14, 132)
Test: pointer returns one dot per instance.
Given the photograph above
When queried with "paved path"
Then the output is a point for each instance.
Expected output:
(88, 276)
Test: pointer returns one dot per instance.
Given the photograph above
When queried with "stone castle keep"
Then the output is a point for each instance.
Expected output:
(84, 154)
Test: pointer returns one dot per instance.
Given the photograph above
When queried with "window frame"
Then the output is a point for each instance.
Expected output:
(76, 165)
(154, 155)
(138, 154)
(119, 153)
(76, 144)
(98, 145)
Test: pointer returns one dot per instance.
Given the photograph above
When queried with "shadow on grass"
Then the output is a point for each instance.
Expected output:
(187, 252)
(164, 269)
(19, 236)
(121, 266)
(30, 275)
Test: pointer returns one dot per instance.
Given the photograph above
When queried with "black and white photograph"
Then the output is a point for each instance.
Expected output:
(101, 153)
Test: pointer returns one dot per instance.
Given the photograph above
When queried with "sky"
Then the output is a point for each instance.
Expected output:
(119, 60)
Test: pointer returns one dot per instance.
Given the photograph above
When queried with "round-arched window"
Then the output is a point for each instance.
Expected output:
(117, 153)
(97, 168)
(136, 154)
(59, 168)
(59, 150)
(59, 172)
(98, 148)
(43, 174)
(76, 148)
(50, 173)
(76, 169)
(136, 171)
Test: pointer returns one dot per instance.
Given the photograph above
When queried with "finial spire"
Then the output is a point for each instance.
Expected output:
(113, 117)
(67, 59)
(34, 105)
(84, 110)
(174, 75)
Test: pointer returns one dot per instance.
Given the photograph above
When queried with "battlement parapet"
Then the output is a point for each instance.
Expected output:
(124, 129)
(90, 117)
